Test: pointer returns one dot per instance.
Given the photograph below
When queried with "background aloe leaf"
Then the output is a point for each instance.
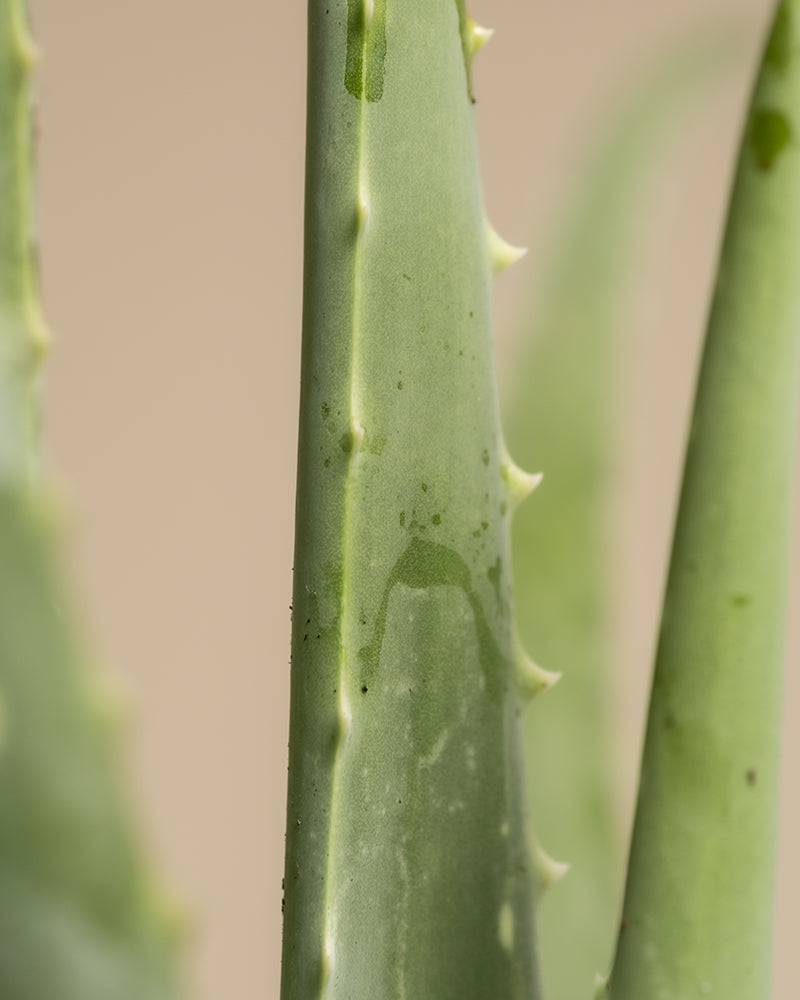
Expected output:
(561, 417)
(79, 916)
(697, 918)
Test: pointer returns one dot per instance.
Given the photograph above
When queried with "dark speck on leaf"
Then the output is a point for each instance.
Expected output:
(752, 777)
(769, 134)
(363, 688)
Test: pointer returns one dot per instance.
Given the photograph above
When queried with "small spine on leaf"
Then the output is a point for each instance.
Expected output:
(502, 254)
(477, 37)
(532, 679)
(520, 484)
(548, 870)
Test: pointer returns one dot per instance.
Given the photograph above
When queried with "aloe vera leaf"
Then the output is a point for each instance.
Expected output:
(80, 918)
(79, 915)
(408, 871)
(698, 907)
(22, 332)
(560, 416)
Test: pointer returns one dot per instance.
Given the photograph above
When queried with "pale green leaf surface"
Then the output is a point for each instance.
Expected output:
(698, 906)
(404, 773)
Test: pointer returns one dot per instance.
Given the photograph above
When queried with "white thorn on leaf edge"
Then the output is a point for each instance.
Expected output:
(477, 36)
(532, 678)
(501, 253)
(520, 483)
(548, 870)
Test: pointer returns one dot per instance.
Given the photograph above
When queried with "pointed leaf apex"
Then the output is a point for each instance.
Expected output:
(501, 253)
(548, 870)
(477, 37)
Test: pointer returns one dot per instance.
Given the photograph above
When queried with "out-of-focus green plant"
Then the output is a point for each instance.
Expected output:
(80, 918)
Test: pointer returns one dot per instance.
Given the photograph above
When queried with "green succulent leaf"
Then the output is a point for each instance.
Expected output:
(408, 869)
(698, 908)
(80, 918)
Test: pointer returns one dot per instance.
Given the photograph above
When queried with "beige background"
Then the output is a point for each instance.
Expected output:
(171, 162)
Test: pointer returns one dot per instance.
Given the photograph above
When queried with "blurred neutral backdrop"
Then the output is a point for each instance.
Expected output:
(170, 209)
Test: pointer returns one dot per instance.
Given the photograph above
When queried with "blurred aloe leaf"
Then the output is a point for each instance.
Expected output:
(79, 916)
(560, 418)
